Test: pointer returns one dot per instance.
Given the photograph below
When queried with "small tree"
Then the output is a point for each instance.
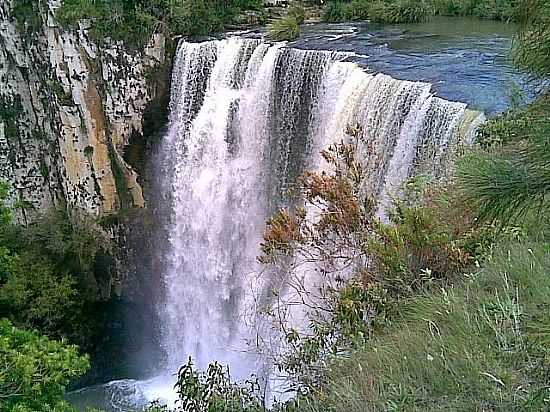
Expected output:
(34, 370)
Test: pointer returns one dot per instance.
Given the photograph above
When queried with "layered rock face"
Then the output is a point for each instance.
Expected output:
(68, 110)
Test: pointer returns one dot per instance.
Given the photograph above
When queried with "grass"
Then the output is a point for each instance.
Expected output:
(479, 345)
(285, 28)
(288, 26)
(401, 11)
(511, 176)
(415, 11)
(480, 341)
(531, 48)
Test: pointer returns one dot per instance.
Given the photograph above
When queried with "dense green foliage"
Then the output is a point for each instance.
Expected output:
(414, 11)
(49, 279)
(135, 20)
(531, 49)
(27, 14)
(212, 391)
(511, 176)
(34, 370)
(288, 26)
(505, 10)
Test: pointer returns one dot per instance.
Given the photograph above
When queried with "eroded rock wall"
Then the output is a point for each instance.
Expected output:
(68, 109)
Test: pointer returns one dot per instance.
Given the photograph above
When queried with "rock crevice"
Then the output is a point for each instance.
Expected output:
(68, 109)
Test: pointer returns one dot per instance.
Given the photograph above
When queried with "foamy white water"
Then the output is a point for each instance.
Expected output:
(247, 118)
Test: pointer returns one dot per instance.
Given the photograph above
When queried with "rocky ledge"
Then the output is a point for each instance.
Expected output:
(69, 109)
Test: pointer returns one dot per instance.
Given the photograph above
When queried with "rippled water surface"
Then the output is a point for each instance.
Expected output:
(464, 59)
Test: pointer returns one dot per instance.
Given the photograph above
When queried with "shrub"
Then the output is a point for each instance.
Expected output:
(359, 9)
(505, 10)
(298, 12)
(212, 391)
(401, 11)
(285, 28)
(531, 48)
(335, 12)
(27, 15)
(411, 11)
(513, 176)
(134, 21)
(367, 267)
(452, 7)
(48, 275)
(34, 371)
(355, 10)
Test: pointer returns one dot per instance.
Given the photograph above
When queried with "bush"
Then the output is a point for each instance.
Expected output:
(355, 10)
(135, 20)
(297, 12)
(285, 28)
(452, 7)
(335, 12)
(511, 177)
(504, 10)
(48, 275)
(531, 48)
(34, 371)
(368, 267)
(212, 391)
(27, 15)
(400, 11)
(411, 11)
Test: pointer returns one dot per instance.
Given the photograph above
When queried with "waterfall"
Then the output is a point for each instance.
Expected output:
(247, 118)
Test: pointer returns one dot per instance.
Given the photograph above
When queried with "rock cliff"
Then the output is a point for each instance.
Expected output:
(69, 108)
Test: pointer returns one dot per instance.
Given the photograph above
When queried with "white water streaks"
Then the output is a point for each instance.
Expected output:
(247, 118)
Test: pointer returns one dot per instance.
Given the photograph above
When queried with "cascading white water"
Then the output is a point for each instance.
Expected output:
(247, 118)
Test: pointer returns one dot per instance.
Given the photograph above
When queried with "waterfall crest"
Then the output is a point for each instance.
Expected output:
(247, 118)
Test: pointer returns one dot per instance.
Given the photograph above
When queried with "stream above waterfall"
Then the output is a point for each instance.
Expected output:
(248, 117)
(464, 59)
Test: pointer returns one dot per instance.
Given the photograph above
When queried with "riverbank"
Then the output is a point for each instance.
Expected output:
(417, 11)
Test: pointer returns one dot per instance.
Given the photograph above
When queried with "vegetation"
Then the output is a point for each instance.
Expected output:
(49, 279)
(446, 307)
(481, 344)
(472, 336)
(212, 391)
(511, 176)
(51, 287)
(531, 49)
(288, 26)
(504, 10)
(34, 371)
(135, 20)
(411, 11)
(427, 242)
(27, 15)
